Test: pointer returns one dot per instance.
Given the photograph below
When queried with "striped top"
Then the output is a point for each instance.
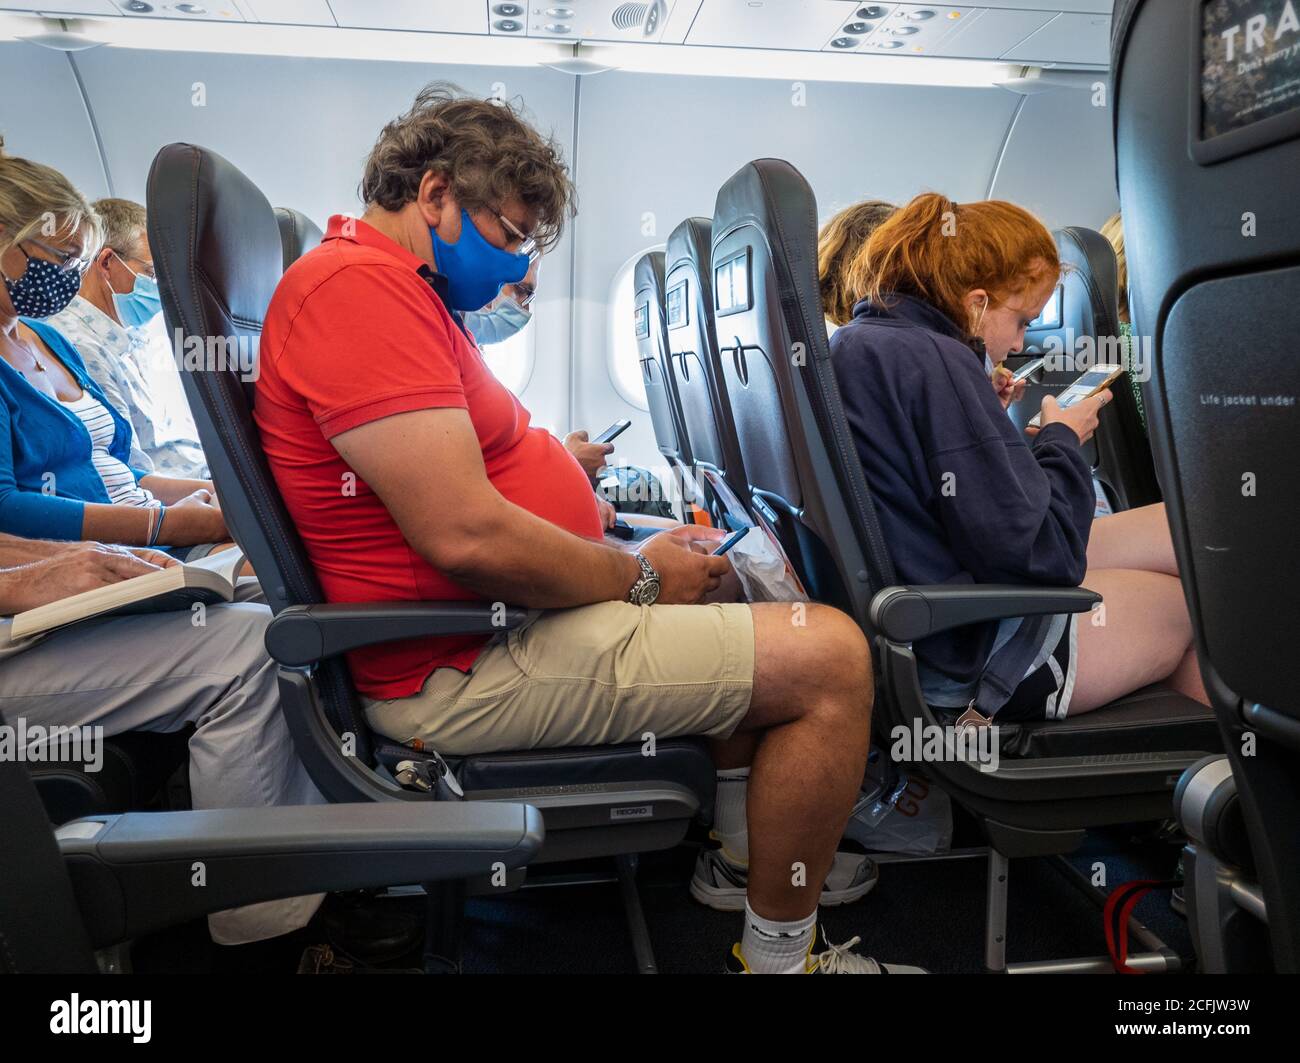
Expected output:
(118, 479)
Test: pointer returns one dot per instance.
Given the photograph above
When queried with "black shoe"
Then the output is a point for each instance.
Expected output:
(367, 930)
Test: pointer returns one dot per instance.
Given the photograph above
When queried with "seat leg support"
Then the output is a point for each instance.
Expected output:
(995, 922)
(444, 914)
(625, 866)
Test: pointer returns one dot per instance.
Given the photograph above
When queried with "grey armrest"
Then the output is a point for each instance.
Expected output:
(304, 634)
(905, 614)
(143, 871)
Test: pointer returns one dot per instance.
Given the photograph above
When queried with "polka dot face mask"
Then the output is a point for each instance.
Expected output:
(43, 289)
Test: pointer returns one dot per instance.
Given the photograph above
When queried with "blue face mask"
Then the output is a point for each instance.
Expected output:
(475, 270)
(498, 324)
(141, 304)
(43, 289)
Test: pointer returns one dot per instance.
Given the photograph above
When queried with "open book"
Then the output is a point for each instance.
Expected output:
(209, 579)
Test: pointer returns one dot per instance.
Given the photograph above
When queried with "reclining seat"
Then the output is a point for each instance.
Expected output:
(101, 881)
(298, 234)
(1206, 161)
(1085, 310)
(1054, 780)
(218, 253)
(693, 355)
(137, 764)
(659, 378)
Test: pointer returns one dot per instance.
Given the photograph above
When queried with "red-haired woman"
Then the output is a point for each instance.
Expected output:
(964, 497)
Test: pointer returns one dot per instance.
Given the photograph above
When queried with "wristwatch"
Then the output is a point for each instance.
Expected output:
(646, 589)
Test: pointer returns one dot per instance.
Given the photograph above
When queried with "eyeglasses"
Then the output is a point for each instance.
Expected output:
(527, 245)
(67, 261)
(148, 270)
(524, 293)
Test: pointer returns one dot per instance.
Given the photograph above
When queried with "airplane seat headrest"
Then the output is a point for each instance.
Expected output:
(777, 374)
(1207, 128)
(688, 306)
(1090, 278)
(652, 351)
(758, 254)
(648, 276)
(298, 234)
(215, 239)
(217, 249)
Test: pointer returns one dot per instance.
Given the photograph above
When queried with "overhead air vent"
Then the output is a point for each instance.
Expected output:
(629, 16)
(644, 17)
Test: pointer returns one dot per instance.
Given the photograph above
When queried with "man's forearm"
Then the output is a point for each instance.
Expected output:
(17, 551)
(520, 558)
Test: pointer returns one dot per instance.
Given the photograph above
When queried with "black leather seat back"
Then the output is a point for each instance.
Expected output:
(1080, 327)
(693, 347)
(1224, 311)
(652, 351)
(804, 475)
(298, 234)
(41, 928)
(1207, 149)
(219, 256)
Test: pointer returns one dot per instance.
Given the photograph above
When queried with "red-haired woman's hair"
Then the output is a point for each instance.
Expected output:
(937, 250)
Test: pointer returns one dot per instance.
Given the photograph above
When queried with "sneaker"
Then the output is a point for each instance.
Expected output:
(825, 958)
(720, 884)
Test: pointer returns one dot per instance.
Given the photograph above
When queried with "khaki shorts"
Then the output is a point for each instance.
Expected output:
(596, 675)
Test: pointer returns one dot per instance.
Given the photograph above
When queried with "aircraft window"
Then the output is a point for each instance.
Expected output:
(512, 361)
(624, 364)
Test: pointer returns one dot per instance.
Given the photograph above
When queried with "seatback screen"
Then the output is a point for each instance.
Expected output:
(643, 321)
(1250, 63)
(1051, 315)
(675, 305)
(731, 292)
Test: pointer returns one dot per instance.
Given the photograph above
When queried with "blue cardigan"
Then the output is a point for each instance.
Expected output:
(40, 437)
(962, 495)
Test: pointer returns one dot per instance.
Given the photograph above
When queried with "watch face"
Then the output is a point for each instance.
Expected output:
(649, 592)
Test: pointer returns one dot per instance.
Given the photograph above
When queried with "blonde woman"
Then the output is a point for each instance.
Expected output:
(64, 449)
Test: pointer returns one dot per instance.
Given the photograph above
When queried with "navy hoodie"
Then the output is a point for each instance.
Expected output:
(962, 495)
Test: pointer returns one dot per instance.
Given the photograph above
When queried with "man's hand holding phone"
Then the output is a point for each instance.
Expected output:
(1082, 417)
(591, 456)
(686, 575)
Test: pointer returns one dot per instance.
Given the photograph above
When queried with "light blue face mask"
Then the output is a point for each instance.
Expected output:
(475, 270)
(142, 303)
(498, 324)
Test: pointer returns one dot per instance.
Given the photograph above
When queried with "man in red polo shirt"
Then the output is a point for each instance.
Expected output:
(411, 473)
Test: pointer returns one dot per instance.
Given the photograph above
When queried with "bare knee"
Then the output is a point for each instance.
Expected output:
(810, 659)
(842, 651)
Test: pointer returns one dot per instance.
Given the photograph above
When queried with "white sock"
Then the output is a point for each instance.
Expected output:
(777, 948)
(729, 824)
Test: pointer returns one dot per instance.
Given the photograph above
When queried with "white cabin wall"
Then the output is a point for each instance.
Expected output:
(43, 117)
(1060, 160)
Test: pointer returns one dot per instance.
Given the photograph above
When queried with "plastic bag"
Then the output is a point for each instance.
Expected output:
(764, 571)
(902, 814)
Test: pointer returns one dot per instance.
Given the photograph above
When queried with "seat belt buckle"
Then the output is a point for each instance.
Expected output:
(432, 775)
(972, 718)
(445, 784)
